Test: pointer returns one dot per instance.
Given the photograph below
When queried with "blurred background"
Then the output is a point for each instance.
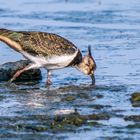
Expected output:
(111, 27)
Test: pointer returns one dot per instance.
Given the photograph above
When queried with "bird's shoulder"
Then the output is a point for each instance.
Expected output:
(46, 43)
(41, 43)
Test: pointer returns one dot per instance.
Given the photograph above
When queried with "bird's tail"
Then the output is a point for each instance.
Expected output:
(4, 31)
(7, 37)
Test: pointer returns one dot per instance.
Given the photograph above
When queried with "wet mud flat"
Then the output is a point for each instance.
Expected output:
(71, 109)
(67, 112)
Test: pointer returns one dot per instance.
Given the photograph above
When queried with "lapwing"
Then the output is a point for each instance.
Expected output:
(49, 51)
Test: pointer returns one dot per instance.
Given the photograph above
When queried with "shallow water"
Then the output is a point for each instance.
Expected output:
(112, 29)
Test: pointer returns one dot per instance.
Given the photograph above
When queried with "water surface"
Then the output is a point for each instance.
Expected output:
(112, 29)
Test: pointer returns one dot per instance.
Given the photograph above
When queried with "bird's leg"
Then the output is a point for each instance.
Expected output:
(93, 79)
(48, 82)
(21, 71)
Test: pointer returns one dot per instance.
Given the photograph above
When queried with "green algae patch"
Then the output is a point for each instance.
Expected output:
(74, 119)
(60, 123)
(135, 99)
(69, 98)
(93, 123)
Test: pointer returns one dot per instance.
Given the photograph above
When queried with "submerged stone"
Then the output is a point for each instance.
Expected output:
(135, 99)
(135, 118)
(93, 123)
(133, 126)
(72, 119)
(101, 116)
(63, 122)
(83, 95)
(8, 69)
(97, 106)
(44, 123)
(2, 97)
(37, 128)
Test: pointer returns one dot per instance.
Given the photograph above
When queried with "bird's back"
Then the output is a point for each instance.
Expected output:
(43, 44)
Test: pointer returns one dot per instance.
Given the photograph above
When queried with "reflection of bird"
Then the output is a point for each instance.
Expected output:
(49, 51)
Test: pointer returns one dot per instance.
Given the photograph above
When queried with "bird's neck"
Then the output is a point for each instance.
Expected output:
(80, 66)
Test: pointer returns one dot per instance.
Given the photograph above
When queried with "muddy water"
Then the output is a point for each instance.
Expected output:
(112, 29)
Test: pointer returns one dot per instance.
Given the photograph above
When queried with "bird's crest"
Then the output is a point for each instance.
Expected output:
(89, 50)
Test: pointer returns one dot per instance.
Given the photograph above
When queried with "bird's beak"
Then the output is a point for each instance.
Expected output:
(93, 79)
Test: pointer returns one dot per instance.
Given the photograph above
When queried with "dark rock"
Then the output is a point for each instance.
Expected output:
(97, 106)
(83, 96)
(75, 119)
(93, 123)
(7, 70)
(101, 116)
(44, 123)
(37, 128)
(133, 126)
(2, 97)
(135, 99)
(72, 119)
(135, 118)
(99, 96)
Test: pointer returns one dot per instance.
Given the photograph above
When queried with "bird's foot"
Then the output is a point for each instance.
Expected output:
(11, 80)
(93, 85)
(48, 83)
(9, 83)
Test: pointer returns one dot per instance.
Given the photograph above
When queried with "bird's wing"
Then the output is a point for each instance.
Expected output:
(42, 44)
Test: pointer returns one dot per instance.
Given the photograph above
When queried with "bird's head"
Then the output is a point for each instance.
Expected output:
(88, 65)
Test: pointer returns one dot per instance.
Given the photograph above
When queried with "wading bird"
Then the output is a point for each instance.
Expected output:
(49, 51)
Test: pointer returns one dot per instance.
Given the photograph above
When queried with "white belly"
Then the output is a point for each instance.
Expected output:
(53, 62)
